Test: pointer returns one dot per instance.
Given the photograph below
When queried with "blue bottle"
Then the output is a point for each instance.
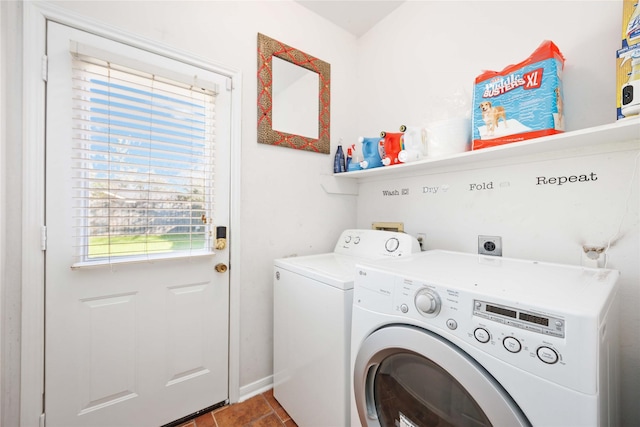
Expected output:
(338, 161)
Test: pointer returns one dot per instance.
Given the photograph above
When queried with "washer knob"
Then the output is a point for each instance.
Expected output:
(427, 302)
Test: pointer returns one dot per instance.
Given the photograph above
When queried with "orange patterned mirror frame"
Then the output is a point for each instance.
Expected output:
(267, 49)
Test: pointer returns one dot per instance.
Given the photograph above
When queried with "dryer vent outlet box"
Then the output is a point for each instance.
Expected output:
(490, 245)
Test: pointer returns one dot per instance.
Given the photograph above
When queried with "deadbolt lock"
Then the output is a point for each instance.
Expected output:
(221, 238)
(221, 268)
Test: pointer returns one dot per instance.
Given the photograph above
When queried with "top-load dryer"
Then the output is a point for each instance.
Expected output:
(313, 296)
(446, 338)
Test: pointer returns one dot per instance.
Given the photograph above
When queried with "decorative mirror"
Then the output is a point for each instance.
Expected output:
(293, 97)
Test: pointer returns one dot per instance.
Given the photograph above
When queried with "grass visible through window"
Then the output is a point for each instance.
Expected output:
(100, 247)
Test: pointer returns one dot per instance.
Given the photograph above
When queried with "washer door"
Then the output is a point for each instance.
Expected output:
(407, 377)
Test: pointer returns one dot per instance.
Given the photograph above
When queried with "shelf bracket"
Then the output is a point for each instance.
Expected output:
(333, 185)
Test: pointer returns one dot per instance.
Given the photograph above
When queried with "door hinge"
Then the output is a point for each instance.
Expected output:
(229, 84)
(43, 238)
(45, 67)
(41, 420)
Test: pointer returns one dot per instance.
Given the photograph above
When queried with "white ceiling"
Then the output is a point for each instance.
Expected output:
(355, 16)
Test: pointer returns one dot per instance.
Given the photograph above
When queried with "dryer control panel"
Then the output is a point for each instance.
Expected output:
(376, 244)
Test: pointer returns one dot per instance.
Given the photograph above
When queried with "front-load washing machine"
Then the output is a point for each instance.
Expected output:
(451, 339)
(312, 324)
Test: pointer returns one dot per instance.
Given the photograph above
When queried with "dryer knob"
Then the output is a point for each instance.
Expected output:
(392, 244)
(427, 302)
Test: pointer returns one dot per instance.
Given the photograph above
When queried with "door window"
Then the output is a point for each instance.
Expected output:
(143, 156)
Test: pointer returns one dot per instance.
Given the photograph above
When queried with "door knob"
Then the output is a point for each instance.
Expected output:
(221, 268)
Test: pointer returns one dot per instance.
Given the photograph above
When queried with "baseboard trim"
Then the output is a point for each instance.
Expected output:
(255, 388)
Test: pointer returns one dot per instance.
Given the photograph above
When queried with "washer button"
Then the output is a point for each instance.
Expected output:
(512, 344)
(404, 308)
(547, 355)
(482, 335)
(452, 324)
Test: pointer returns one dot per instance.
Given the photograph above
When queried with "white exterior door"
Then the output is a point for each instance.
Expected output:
(128, 343)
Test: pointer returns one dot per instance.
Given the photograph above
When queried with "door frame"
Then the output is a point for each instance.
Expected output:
(35, 17)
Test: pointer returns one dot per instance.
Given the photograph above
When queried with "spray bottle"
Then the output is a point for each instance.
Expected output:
(354, 163)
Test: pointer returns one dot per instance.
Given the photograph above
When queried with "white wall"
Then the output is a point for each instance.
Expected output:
(425, 50)
(415, 58)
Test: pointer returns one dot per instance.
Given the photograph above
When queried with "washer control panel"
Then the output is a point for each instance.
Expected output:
(519, 318)
(530, 339)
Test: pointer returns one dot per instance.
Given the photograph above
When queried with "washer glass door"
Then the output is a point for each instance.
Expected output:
(410, 390)
(406, 376)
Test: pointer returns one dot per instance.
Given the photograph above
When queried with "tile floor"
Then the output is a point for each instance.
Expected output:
(262, 410)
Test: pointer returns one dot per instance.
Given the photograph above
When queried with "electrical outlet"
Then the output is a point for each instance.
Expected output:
(490, 245)
(422, 238)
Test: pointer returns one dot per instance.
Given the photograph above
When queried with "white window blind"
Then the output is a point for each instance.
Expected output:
(143, 163)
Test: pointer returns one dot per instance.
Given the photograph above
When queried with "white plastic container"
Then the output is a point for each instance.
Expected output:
(448, 137)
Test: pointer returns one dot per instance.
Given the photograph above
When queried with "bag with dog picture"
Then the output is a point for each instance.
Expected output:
(523, 101)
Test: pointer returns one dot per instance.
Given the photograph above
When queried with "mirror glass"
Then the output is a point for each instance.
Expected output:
(294, 99)
(294, 92)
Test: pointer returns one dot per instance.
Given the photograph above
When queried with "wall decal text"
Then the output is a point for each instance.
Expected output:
(561, 180)
(482, 186)
(434, 190)
(403, 192)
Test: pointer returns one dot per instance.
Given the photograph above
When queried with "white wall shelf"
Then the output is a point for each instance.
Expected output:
(623, 131)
